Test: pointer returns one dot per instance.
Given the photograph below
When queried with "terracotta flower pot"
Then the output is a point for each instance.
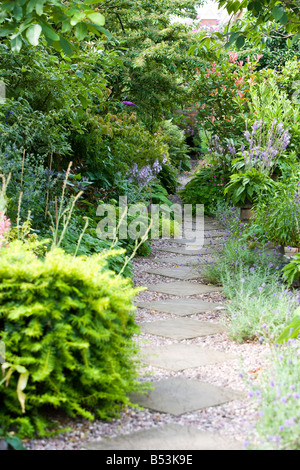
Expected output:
(290, 251)
(246, 212)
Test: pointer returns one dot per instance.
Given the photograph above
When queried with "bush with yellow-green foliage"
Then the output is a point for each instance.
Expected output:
(68, 325)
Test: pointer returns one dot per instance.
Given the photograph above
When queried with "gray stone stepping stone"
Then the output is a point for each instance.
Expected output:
(206, 228)
(178, 396)
(179, 356)
(214, 236)
(180, 307)
(192, 241)
(182, 272)
(180, 260)
(188, 251)
(169, 436)
(181, 328)
(215, 233)
(182, 288)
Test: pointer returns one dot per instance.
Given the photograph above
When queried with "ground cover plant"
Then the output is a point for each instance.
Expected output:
(261, 308)
(276, 397)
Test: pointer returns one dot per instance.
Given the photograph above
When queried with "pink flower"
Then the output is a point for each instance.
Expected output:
(239, 81)
(233, 57)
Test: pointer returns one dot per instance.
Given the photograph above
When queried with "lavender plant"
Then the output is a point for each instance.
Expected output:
(277, 398)
(265, 147)
(222, 154)
(145, 175)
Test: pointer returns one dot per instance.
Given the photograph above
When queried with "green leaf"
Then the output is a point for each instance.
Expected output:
(284, 19)
(49, 32)
(33, 34)
(15, 442)
(192, 49)
(22, 382)
(18, 12)
(39, 7)
(81, 31)
(16, 43)
(77, 18)
(240, 41)
(66, 26)
(97, 30)
(6, 31)
(292, 331)
(97, 18)
(79, 74)
(66, 46)
(30, 6)
(277, 12)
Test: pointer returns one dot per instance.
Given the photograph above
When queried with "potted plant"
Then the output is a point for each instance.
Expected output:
(254, 166)
(244, 187)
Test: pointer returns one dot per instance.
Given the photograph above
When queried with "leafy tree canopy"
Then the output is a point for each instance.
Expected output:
(153, 46)
(267, 17)
(57, 21)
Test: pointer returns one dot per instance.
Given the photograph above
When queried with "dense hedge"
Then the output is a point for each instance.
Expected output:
(68, 326)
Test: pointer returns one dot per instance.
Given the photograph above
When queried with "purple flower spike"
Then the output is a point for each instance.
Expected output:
(128, 103)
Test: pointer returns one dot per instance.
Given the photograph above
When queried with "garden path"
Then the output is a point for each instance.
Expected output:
(176, 299)
(199, 400)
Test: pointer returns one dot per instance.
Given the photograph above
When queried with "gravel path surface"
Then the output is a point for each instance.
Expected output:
(233, 419)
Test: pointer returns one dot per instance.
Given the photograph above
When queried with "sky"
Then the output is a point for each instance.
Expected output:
(211, 11)
(208, 11)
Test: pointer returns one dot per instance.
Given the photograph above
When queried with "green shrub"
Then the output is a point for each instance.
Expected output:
(243, 188)
(113, 144)
(278, 214)
(206, 187)
(178, 148)
(68, 325)
(168, 178)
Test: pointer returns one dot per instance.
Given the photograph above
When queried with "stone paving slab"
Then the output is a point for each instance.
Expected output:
(188, 251)
(183, 260)
(181, 272)
(192, 241)
(206, 228)
(210, 228)
(179, 356)
(182, 288)
(167, 437)
(180, 307)
(178, 396)
(181, 328)
(180, 260)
